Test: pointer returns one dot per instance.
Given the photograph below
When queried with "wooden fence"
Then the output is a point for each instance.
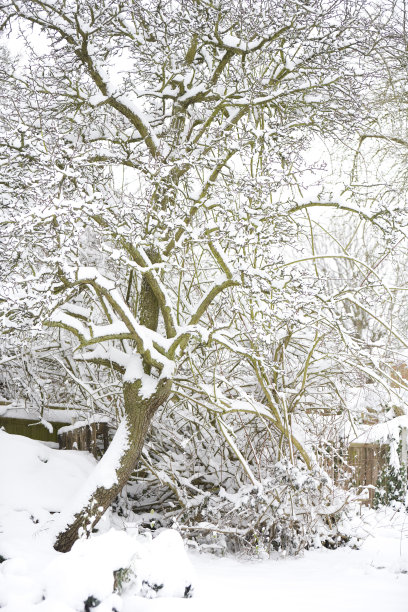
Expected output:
(31, 428)
(93, 438)
(367, 461)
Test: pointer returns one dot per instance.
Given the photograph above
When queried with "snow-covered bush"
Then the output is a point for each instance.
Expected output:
(392, 481)
(197, 482)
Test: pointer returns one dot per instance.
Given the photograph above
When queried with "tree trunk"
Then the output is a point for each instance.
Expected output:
(139, 412)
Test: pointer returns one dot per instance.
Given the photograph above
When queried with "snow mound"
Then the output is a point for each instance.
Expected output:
(146, 568)
(36, 482)
(87, 569)
(38, 477)
(160, 568)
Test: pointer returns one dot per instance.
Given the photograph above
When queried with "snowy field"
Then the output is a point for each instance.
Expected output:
(36, 481)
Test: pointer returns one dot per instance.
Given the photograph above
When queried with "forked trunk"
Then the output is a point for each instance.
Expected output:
(139, 412)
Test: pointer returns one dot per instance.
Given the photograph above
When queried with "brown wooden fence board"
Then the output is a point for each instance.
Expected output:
(93, 438)
(31, 428)
(367, 461)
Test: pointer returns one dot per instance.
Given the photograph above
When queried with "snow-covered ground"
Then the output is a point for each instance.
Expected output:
(36, 481)
(370, 579)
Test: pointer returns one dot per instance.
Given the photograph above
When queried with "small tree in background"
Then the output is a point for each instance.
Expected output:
(392, 480)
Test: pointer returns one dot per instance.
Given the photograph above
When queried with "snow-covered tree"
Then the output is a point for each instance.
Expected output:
(152, 172)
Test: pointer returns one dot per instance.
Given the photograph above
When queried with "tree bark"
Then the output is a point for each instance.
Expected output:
(139, 412)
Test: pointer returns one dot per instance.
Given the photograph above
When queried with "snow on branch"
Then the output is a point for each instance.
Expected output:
(242, 47)
(340, 256)
(150, 344)
(228, 435)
